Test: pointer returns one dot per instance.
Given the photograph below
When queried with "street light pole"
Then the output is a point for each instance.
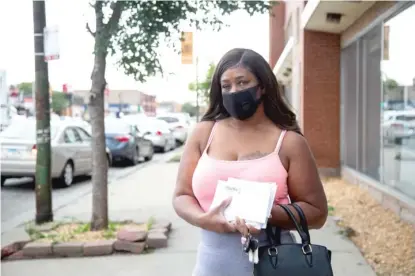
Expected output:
(197, 88)
(43, 156)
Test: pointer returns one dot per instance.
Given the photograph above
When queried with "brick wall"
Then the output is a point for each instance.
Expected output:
(276, 32)
(321, 97)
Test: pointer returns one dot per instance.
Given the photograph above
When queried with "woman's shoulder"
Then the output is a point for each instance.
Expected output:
(203, 127)
(294, 143)
(200, 132)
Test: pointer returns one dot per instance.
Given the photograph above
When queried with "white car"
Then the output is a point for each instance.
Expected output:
(398, 124)
(158, 132)
(179, 123)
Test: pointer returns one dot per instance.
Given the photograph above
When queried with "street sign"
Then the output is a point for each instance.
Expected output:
(187, 48)
(51, 42)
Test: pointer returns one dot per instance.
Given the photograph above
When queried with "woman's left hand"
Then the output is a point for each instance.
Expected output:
(244, 229)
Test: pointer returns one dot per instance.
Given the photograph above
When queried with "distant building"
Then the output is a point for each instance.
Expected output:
(127, 101)
(165, 107)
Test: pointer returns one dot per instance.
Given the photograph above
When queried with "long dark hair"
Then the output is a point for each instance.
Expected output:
(275, 107)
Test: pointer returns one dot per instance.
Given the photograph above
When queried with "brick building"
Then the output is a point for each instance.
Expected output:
(128, 101)
(333, 59)
(148, 104)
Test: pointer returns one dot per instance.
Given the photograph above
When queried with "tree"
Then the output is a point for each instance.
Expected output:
(189, 108)
(204, 85)
(133, 31)
(59, 102)
(26, 88)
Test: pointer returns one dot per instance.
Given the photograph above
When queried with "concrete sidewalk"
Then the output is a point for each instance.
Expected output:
(148, 193)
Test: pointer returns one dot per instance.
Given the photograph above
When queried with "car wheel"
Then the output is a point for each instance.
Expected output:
(150, 155)
(3, 179)
(166, 147)
(67, 175)
(109, 163)
(178, 143)
(136, 156)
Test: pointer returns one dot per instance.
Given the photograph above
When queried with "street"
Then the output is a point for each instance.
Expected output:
(18, 198)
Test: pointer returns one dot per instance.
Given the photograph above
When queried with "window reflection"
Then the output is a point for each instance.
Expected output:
(398, 106)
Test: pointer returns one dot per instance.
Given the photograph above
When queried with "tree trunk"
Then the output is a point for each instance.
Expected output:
(99, 219)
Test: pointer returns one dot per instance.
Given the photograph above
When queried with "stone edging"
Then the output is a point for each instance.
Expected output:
(127, 241)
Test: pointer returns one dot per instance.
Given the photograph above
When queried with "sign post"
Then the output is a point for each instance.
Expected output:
(187, 58)
(43, 179)
(51, 42)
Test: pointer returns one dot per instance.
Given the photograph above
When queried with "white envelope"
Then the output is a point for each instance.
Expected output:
(251, 200)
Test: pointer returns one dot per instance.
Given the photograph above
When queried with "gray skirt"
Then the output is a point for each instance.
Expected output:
(222, 255)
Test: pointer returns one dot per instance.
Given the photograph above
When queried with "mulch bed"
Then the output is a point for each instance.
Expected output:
(387, 243)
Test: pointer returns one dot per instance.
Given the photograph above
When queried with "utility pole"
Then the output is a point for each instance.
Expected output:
(43, 159)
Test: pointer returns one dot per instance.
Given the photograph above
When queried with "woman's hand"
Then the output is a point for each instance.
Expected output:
(245, 229)
(214, 220)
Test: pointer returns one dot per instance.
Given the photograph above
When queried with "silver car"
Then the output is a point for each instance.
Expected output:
(179, 123)
(158, 132)
(71, 151)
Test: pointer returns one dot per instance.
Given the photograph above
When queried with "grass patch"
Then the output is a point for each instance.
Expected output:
(331, 210)
(78, 231)
(175, 158)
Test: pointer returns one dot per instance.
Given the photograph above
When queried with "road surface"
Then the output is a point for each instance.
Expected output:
(18, 198)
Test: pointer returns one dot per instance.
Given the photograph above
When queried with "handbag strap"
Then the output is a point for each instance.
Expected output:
(274, 238)
(303, 220)
(305, 239)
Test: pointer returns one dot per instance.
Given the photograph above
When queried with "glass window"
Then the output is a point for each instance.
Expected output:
(71, 136)
(25, 129)
(349, 119)
(84, 135)
(398, 132)
(116, 126)
(169, 119)
(360, 104)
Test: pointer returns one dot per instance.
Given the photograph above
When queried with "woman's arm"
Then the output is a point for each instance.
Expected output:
(304, 185)
(184, 201)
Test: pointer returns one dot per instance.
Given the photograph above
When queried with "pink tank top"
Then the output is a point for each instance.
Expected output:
(265, 169)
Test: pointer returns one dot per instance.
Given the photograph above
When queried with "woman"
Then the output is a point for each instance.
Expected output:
(248, 132)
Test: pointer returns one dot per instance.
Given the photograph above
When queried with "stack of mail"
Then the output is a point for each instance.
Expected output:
(251, 200)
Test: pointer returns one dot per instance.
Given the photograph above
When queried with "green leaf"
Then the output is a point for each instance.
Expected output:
(135, 38)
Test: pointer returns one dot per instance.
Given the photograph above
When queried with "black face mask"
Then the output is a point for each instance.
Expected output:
(243, 104)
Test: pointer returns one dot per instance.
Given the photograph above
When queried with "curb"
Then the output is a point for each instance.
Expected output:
(130, 241)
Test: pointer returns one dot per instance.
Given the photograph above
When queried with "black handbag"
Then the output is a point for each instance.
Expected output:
(293, 259)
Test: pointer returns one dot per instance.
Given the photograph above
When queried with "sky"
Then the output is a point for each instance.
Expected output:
(75, 64)
(76, 60)
(401, 63)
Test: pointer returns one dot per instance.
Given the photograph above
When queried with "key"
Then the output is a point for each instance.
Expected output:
(254, 245)
(246, 245)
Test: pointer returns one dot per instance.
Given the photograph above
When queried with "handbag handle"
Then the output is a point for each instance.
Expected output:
(303, 220)
(305, 239)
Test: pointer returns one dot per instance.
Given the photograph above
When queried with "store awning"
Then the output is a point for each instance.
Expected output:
(283, 68)
(332, 16)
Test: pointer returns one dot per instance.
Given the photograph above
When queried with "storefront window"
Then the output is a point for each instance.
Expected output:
(398, 105)
(360, 98)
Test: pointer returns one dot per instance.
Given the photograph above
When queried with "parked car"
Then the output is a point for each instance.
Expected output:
(126, 142)
(71, 150)
(398, 125)
(179, 123)
(157, 131)
(87, 127)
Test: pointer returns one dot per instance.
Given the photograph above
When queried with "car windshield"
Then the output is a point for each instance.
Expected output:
(25, 129)
(116, 126)
(169, 119)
